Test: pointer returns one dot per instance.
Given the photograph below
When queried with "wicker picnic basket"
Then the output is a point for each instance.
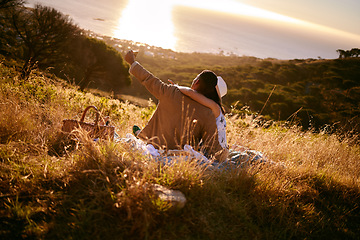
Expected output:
(94, 130)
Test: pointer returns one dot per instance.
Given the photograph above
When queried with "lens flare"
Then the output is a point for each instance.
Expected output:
(147, 22)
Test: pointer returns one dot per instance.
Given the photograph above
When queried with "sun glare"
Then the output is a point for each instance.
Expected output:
(150, 21)
(147, 22)
(237, 8)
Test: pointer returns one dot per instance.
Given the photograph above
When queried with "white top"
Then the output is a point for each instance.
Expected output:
(221, 127)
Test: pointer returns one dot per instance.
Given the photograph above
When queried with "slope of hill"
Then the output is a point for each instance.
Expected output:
(52, 188)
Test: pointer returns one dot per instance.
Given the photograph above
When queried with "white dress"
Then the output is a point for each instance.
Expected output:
(221, 127)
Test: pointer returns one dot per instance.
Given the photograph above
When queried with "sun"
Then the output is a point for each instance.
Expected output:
(147, 22)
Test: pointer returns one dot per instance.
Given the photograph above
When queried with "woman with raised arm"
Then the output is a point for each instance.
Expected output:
(208, 89)
(178, 120)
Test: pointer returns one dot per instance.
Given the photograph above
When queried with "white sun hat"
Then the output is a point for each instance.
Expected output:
(221, 87)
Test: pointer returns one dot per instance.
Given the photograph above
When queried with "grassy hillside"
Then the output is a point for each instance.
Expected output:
(53, 189)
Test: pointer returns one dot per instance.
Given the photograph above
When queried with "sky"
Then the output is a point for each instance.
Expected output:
(338, 14)
(334, 20)
(341, 15)
(333, 23)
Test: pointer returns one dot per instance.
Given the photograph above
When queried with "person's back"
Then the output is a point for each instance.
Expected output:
(215, 108)
(178, 120)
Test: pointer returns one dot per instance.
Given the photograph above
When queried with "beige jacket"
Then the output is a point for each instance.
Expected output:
(178, 120)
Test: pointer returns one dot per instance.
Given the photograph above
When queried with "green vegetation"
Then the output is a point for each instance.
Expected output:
(53, 189)
(44, 38)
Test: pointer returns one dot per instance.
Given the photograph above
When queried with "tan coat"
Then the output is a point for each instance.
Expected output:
(178, 120)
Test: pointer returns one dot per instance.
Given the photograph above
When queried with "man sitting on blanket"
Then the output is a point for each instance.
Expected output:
(178, 120)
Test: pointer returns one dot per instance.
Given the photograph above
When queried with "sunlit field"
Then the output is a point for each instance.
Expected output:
(54, 188)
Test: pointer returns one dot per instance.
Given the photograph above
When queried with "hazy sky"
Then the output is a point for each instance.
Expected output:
(277, 28)
(340, 14)
(334, 14)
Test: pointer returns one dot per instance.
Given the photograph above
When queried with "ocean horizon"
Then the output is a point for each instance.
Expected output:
(197, 30)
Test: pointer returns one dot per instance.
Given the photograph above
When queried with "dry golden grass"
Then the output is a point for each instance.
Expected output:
(55, 188)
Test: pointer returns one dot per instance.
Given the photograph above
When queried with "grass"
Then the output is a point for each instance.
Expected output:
(51, 188)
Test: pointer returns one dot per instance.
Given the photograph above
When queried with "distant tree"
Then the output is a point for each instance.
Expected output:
(43, 33)
(355, 52)
(99, 64)
(10, 3)
(341, 52)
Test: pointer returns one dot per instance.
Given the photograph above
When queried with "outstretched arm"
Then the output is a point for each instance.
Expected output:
(198, 97)
(153, 84)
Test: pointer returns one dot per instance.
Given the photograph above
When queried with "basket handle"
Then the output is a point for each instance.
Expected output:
(97, 114)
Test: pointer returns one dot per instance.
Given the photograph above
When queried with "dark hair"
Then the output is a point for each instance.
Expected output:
(207, 86)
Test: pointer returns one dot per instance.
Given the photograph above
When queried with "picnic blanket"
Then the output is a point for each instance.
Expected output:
(236, 158)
